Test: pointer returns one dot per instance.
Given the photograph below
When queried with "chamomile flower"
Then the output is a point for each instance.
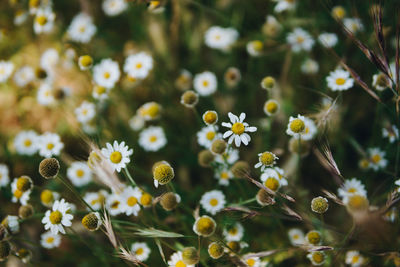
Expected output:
(138, 65)
(381, 81)
(81, 29)
(58, 217)
(296, 237)
(184, 80)
(283, 5)
(271, 107)
(230, 156)
(354, 25)
(223, 176)
(207, 135)
(25, 142)
(309, 131)
(313, 238)
(114, 204)
(6, 69)
(106, 73)
(11, 223)
(232, 77)
(96, 200)
(213, 201)
(176, 260)
(150, 111)
(309, 66)
(136, 123)
(141, 250)
(100, 92)
(79, 173)
(328, 40)
(253, 261)
(20, 17)
(49, 59)
(377, 158)
(23, 76)
(317, 258)
(255, 48)
(238, 129)
(266, 159)
(130, 201)
(300, 40)
(272, 180)
(49, 240)
(49, 145)
(210, 117)
(339, 80)
(18, 195)
(152, 138)
(352, 186)
(4, 175)
(354, 258)
(44, 20)
(220, 38)
(85, 62)
(296, 126)
(117, 154)
(205, 83)
(234, 233)
(392, 133)
(45, 95)
(114, 7)
(85, 112)
(48, 197)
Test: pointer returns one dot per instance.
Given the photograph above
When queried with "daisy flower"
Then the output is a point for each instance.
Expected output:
(339, 80)
(79, 173)
(95, 199)
(6, 69)
(309, 66)
(136, 123)
(205, 83)
(114, 7)
(117, 155)
(317, 258)
(271, 107)
(266, 159)
(354, 25)
(296, 126)
(283, 5)
(130, 200)
(272, 180)
(141, 250)
(23, 76)
(4, 175)
(176, 260)
(309, 131)
(49, 145)
(380, 81)
(300, 40)
(100, 92)
(354, 258)
(352, 186)
(213, 201)
(207, 135)
(106, 73)
(234, 233)
(392, 133)
(45, 95)
(25, 142)
(220, 38)
(223, 176)
(81, 29)
(49, 240)
(255, 48)
(232, 77)
(49, 59)
(58, 217)
(253, 261)
(150, 111)
(152, 138)
(184, 80)
(328, 40)
(377, 158)
(114, 204)
(138, 65)
(296, 237)
(85, 112)
(20, 17)
(44, 20)
(238, 129)
(230, 156)
(11, 223)
(48, 197)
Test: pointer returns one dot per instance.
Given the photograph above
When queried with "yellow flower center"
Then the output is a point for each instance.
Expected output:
(139, 65)
(376, 158)
(271, 183)
(296, 236)
(50, 146)
(86, 61)
(205, 83)
(80, 173)
(210, 117)
(340, 81)
(210, 135)
(116, 157)
(100, 89)
(233, 231)
(46, 196)
(297, 125)
(41, 20)
(106, 75)
(139, 251)
(214, 202)
(257, 45)
(145, 200)
(153, 138)
(82, 29)
(180, 264)
(267, 158)
(224, 175)
(238, 128)
(251, 262)
(318, 257)
(50, 240)
(358, 202)
(300, 39)
(27, 143)
(115, 204)
(313, 238)
(18, 193)
(55, 217)
(355, 259)
(271, 107)
(132, 201)
(352, 190)
(204, 225)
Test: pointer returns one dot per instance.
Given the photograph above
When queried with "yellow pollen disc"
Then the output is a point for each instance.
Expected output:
(50, 146)
(139, 251)
(94, 201)
(86, 61)
(210, 135)
(80, 173)
(340, 81)
(132, 201)
(217, 37)
(27, 143)
(257, 45)
(46, 196)
(376, 158)
(214, 202)
(271, 183)
(55, 217)
(271, 107)
(296, 237)
(267, 158)
(238, 128)
(100, 90)
(355, 259)
(106, 75)
(250, 262)
(210, 117)
(82, 29)
(351, 190)
(50, 240)
(233, 231)
(152, 111)
(41, 20)
(205, 83)
(115, 205)
(180, 264)
(297, 125)
(318, 257)
(300, 39)
(18, 193)
(145, 200)
(153, 138)
(224, 175)
(116, 157)
(139, 65)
